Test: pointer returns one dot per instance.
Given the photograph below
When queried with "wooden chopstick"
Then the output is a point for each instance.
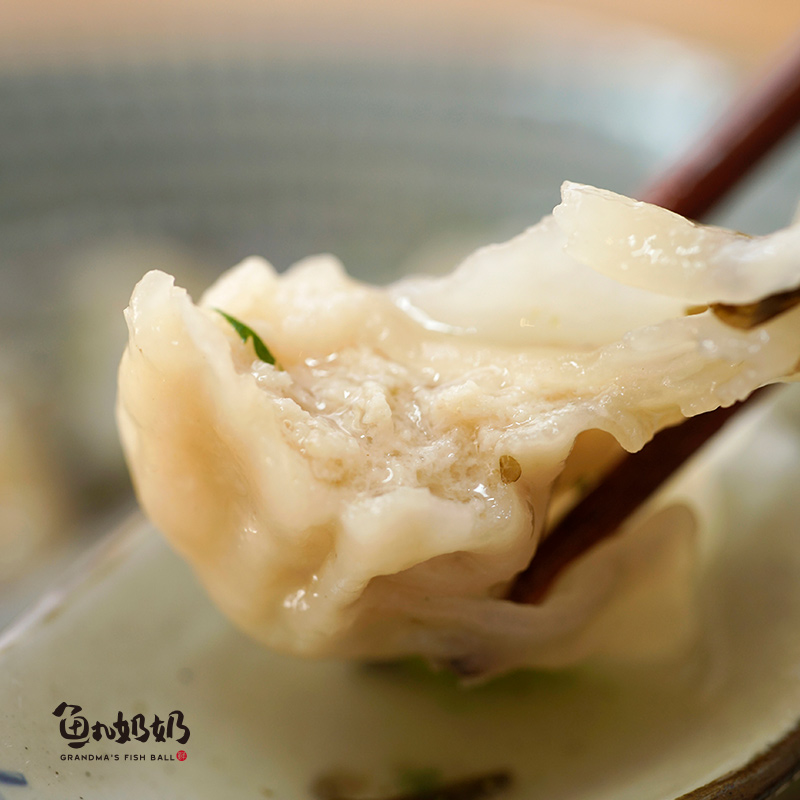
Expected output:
(759, 119)
(766, 112)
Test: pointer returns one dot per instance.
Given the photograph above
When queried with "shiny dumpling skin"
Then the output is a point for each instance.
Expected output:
(350, 502)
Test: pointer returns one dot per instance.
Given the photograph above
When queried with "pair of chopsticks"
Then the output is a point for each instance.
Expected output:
(756, 122)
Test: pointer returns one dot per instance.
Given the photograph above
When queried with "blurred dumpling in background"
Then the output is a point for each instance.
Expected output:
(34, 506)
(63, 480)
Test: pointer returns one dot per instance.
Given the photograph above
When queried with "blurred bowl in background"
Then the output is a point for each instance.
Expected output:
(394, 149)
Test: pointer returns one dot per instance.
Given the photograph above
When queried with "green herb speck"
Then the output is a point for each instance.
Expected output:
(245, 332)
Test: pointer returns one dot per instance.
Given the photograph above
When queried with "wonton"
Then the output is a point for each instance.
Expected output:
(373, 494)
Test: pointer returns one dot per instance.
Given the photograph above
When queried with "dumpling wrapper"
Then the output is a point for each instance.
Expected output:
(350, 502)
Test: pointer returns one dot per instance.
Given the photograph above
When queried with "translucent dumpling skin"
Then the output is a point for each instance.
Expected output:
(373, 494)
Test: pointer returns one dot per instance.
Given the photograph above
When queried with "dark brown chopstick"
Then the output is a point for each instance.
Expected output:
(751, 315)
(756, 122)
(601, 512)
(759, 119)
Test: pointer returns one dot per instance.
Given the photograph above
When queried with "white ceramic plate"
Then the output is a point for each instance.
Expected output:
(137, 635)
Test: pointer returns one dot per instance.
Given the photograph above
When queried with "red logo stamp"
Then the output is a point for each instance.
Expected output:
(181, 755)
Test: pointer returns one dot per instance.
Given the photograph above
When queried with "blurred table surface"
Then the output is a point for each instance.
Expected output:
(745, 30)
